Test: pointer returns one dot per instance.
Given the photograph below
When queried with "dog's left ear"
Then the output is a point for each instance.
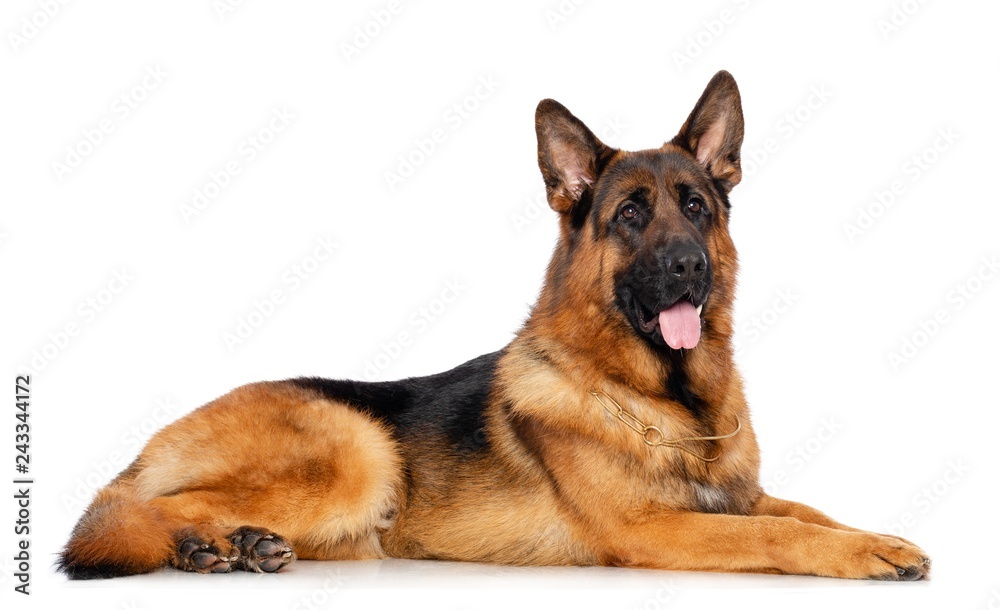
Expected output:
(569, 155)
(714, 131)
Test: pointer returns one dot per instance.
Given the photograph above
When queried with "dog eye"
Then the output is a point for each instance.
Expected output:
(628, 211)
(694, 205)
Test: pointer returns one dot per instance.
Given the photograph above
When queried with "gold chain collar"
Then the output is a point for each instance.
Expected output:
(654, 437)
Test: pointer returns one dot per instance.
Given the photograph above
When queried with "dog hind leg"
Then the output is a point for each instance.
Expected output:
(213, 491)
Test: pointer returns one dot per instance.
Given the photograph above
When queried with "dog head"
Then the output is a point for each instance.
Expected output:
(645, 233)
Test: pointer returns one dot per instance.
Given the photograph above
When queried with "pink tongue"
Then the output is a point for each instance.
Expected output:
(680, 325)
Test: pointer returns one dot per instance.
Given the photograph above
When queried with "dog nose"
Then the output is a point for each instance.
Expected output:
(687, 264)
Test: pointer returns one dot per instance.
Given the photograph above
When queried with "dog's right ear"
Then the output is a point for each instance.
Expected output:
(569, 155)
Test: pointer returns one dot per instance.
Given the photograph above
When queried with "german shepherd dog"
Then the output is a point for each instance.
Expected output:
(613, 429)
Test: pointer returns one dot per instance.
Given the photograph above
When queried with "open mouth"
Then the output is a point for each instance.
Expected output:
(679, 325)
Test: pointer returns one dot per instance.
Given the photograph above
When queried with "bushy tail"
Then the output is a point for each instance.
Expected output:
(118, 535)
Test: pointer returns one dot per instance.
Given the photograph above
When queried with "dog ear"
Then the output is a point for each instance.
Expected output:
(713, 133)
(569, 155)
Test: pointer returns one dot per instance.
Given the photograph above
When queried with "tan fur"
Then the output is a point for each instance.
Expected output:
(316, 471)
(140, 542)
(322, 474)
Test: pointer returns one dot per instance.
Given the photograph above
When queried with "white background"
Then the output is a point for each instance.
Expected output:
(470, 213)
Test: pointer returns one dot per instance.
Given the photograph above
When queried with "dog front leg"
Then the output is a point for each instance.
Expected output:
(770, 506)
(776, 507)
(762, 543)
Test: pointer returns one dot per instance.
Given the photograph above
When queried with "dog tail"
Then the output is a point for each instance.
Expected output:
(118, 535)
